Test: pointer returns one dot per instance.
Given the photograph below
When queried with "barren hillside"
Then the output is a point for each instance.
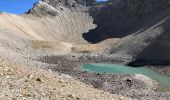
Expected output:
(42, 49)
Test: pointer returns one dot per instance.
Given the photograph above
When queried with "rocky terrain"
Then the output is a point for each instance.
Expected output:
(42, 49)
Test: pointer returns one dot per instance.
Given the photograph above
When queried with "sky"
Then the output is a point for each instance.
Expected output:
(18, 6)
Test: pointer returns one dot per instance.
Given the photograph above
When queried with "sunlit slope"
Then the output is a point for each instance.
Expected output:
(65, 28)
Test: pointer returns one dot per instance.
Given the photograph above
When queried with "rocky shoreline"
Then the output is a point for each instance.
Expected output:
(125, 84)
(162, 69)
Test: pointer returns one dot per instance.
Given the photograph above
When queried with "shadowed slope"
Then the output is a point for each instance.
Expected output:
(121, 18)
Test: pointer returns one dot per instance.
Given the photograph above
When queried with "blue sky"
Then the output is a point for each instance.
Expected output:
(18, 6)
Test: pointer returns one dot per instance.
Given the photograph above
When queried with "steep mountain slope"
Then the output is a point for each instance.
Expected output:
(50, 29)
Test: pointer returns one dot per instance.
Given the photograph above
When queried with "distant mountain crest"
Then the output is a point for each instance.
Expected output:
(52, 7)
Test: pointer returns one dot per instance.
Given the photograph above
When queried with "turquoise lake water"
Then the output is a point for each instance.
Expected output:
(163, 80)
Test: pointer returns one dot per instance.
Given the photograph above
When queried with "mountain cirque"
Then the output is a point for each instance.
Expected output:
(55, 37)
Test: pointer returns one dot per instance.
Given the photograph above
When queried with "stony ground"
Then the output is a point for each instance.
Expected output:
(19, 82)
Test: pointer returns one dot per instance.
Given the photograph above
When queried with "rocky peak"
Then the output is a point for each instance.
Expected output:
(52, 7)
(130, 7)
(70, 2)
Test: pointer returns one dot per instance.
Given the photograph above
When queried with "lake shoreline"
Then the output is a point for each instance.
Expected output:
(114, 83)
(162, 79)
